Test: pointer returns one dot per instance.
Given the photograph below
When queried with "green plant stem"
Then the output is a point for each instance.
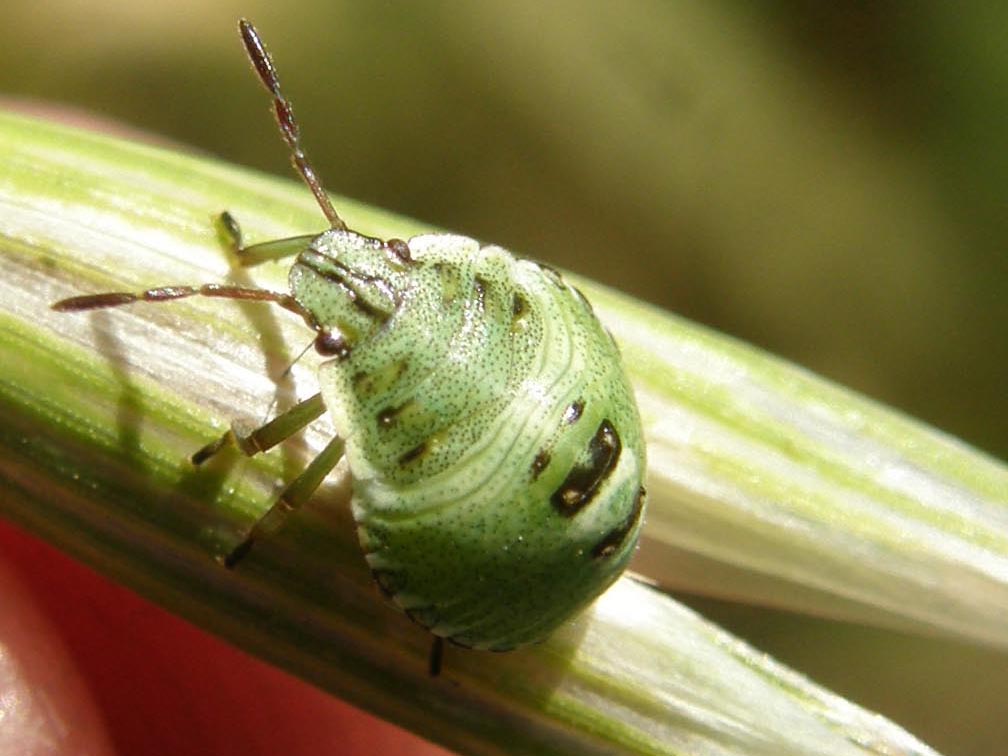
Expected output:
(756, 467)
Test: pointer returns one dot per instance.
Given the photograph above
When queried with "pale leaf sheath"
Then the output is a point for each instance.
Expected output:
(102, 411)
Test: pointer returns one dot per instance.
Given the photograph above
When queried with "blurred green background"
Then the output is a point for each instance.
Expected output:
(828, 181)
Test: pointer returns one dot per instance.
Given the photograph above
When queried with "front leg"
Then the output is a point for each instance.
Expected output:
(277, 249)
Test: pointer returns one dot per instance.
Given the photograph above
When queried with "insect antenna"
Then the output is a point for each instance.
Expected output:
(289, 129)
(168, 293)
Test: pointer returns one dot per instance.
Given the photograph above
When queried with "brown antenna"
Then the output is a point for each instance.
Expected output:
(289, 129)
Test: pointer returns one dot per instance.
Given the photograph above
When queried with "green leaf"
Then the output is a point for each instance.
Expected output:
(766, 483)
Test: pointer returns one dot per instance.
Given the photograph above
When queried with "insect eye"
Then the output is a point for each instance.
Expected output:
(400, 249)
(328, 345)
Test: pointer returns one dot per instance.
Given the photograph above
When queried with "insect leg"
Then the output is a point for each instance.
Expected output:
(275, 249)
(297, 492)
(436, 655)
(265, 437)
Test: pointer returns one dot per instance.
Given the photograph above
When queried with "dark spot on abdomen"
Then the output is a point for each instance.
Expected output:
(480, 285)
(540, 463)
(413, 454)
(573, 413)
(519, 306)
(380, 380)
(582, 483)
(519, 312)
(612, 540)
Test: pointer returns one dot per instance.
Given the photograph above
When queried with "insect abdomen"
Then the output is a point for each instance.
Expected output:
(497, 472)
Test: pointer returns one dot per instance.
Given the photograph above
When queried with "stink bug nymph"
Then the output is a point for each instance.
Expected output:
(492, 436)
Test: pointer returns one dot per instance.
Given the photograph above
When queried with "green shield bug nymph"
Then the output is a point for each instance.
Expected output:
(495, 447)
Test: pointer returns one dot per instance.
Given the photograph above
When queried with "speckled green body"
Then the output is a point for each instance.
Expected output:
(495, 446)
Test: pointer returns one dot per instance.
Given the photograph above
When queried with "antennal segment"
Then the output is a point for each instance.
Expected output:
(289, 129)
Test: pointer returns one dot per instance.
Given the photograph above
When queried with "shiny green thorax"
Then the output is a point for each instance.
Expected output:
(494, 442)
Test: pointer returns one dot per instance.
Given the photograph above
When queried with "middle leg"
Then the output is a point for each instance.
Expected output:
(265, 437)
